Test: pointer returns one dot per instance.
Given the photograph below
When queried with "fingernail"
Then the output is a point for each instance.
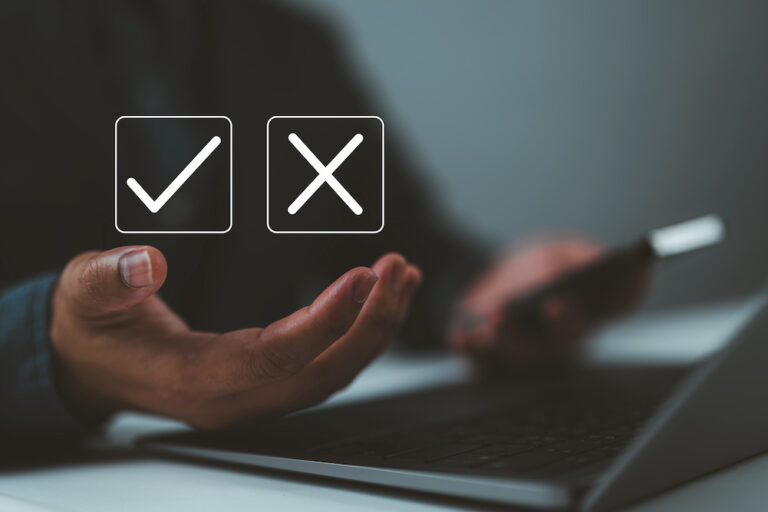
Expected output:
(136, 269)
(396, 277)
(362, 286)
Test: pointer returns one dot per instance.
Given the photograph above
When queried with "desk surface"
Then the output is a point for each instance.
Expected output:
(122, 478)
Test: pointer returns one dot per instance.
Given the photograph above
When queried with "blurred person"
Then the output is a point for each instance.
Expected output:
(247, 325)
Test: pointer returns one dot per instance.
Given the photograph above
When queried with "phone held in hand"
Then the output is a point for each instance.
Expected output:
(611, 284)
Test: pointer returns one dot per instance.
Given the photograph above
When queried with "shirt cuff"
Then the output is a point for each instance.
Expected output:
(30, 405)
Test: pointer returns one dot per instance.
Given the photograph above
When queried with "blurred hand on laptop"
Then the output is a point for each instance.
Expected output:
(482, 328)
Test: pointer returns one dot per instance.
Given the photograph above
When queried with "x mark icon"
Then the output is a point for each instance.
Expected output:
(325, 174)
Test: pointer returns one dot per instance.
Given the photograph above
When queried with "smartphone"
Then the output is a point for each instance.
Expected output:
(610, 284)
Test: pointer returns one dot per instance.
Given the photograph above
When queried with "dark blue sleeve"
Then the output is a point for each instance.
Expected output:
(30, 407)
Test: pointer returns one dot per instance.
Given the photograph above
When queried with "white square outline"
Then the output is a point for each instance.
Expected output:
(380, 229)
(231, 220)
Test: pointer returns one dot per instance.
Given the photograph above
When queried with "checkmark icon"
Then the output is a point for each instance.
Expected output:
(154, 205)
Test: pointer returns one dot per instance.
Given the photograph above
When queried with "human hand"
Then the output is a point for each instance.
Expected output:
(119, 346)
(486, 327)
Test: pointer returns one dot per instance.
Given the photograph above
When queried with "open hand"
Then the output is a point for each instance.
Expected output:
(119, 346)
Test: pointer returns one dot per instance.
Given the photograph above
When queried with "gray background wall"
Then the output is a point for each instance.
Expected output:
(609, 117)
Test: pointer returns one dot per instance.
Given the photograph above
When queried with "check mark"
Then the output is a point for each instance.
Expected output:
(154, 205)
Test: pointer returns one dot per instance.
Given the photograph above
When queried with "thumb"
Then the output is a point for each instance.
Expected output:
(103, 282)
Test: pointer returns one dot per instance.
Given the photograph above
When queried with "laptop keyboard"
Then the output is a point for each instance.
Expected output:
(563, 438)
(557, 426)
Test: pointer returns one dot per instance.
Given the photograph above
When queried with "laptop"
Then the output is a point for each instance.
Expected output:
(579, 437)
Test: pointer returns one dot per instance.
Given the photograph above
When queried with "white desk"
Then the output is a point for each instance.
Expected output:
(132, 480)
